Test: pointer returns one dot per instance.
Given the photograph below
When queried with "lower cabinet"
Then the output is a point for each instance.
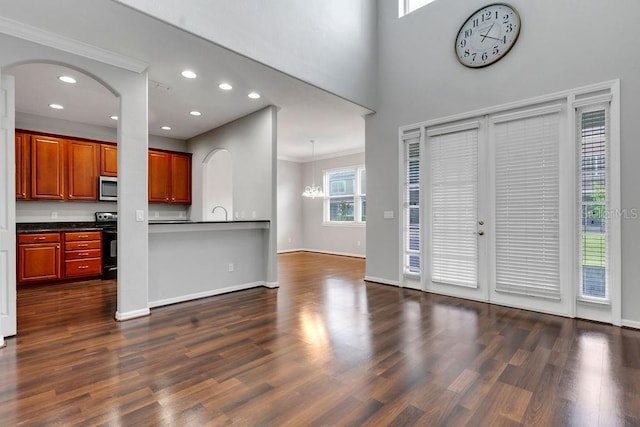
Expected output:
(39, 257)
(55, 256)
(82, 254)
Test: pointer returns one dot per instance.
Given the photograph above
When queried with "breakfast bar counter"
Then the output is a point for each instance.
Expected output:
(196, 259)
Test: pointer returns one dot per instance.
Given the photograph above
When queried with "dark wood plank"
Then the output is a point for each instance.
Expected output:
(326, 348)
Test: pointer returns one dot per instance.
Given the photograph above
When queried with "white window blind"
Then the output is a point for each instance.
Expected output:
(454, 207)
(412, 228)
(593, 166)
(527, 240)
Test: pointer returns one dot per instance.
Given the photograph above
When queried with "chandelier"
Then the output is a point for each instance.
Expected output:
(313, 190)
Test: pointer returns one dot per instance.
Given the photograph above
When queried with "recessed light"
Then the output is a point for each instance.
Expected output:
(225, 86)
(67, 79)
(166, 128)
(188, 74)
(113, 117)
(195, 113)
(56, 106)
(254, 95)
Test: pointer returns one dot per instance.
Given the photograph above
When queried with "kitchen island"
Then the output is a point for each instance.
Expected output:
(197, 259)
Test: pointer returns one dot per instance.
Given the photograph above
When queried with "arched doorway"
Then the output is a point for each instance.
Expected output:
(58, 152)
(126, 80)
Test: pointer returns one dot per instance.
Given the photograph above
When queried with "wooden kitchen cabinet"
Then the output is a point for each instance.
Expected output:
(23, 148)
(39, 257)
(82, 254)
(169, 177)
(47, 168)
(108, 160)
(181, 178)
(159, 177)
(82, 170)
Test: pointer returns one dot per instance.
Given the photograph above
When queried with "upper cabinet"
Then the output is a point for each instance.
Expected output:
(169, 177)
(23, 148)
(53, 168)
(82, 171)
(181, 178)
(108, 160)
(159, 177)
(47, 168)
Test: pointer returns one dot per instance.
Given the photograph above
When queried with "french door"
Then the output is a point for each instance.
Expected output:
(498, 203)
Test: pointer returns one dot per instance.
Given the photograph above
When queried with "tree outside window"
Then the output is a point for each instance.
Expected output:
(345, 199)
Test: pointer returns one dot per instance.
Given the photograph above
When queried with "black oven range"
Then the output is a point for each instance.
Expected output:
(108, 222)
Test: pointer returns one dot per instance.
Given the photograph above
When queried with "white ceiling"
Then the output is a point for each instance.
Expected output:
(305, 112)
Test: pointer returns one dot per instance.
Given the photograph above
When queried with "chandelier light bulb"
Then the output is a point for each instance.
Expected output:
(312, 191)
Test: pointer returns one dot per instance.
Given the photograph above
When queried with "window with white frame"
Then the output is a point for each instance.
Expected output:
(405, 7)
(345, 199)
(592, 123)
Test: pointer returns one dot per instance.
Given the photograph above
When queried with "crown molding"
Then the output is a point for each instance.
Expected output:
(69, 45)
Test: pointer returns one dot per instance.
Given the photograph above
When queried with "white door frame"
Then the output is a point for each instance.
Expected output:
(608, 91)
(8, 315)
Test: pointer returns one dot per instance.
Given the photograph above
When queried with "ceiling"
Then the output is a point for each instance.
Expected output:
(305, 112)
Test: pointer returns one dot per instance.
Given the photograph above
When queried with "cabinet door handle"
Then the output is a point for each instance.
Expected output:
(84, 236)
(83, 246)
(83, 267)
(83, 253)
(40, 238)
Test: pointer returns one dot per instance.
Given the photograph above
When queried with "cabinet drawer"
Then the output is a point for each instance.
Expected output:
(75, 246)
(82, 267)
(38, 238)
(80, 235)
(89, 253)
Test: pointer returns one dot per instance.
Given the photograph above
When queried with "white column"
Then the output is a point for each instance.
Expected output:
(133, 274)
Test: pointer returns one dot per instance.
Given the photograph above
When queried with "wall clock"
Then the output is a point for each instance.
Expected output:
(487, 35)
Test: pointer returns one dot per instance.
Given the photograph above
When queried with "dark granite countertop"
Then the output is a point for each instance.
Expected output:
(54, 227)
(186, 221)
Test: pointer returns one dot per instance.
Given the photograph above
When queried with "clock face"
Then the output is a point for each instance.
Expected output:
(487, 35)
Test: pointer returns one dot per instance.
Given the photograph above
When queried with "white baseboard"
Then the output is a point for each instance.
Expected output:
(271, 285)
(630, 324)
(121, 317)
(383, 281)
(210, 293)
(286, 251)
(318, 251)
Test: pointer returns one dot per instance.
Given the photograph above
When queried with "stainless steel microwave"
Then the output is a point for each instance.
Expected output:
(108, 188)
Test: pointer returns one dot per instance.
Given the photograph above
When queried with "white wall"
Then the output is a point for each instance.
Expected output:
(558, 49)
(328, 43)
(290, 219)
(338, 239)
(250, 142)
(40, 211)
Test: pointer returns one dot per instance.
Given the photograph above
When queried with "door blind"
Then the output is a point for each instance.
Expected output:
(412, 228)
(527, 244)
(454, 203)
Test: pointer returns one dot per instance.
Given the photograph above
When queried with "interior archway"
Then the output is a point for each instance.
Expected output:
(89, 103)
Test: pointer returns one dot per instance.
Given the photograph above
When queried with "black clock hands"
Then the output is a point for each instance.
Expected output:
(485, 35)
(493, 38)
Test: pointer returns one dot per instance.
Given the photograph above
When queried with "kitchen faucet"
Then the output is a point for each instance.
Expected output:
(226, 215)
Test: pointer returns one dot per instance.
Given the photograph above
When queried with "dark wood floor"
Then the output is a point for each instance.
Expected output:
(324, 349)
